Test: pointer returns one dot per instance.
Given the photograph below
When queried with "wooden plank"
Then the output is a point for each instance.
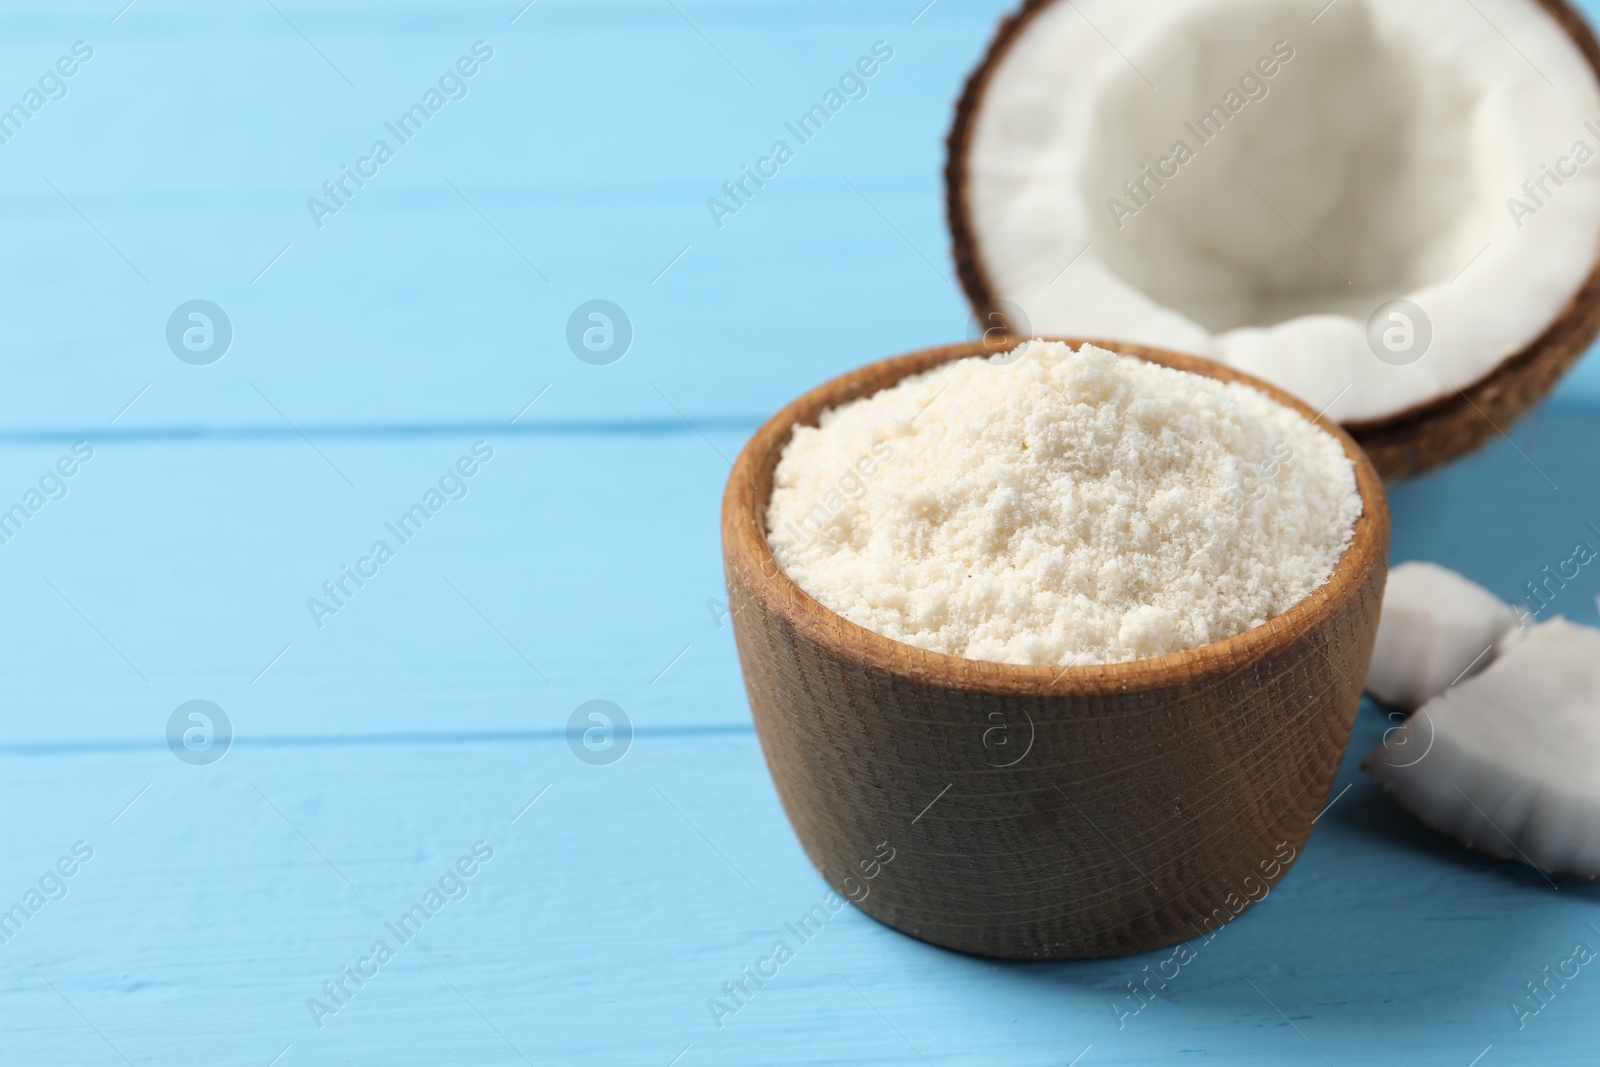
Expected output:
(577, 566)
(578, 166)
(180, 569)
(616, 907)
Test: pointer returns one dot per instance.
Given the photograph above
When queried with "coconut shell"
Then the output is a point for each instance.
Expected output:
(1404, 444)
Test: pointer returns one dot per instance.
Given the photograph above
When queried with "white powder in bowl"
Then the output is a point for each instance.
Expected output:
(1052, 507)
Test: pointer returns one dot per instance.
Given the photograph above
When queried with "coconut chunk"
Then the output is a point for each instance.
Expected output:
(1437, 628)
(1508, 762)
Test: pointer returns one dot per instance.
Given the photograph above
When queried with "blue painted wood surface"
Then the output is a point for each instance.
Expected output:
(373, 752)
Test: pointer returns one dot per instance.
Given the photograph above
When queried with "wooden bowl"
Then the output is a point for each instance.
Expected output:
(1046, 812)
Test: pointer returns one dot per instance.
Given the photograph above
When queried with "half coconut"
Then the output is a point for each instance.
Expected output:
(1390, 210)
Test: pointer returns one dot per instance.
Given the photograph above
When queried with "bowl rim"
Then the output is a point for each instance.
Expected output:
(747, 554)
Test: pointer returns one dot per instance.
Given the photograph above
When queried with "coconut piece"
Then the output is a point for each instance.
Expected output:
(1437, 628)
(1508, 762)
(1286, 184)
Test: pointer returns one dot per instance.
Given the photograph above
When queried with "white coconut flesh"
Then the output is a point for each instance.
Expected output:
(1508, 761)
(1377, 163)
(1436, 629)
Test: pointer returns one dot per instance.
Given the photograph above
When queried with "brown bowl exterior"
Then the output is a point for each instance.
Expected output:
(1041, 812)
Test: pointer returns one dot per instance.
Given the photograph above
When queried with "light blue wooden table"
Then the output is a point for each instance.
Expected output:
(428, 716)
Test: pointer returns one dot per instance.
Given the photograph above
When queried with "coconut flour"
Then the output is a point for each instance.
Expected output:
(1046, 506)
